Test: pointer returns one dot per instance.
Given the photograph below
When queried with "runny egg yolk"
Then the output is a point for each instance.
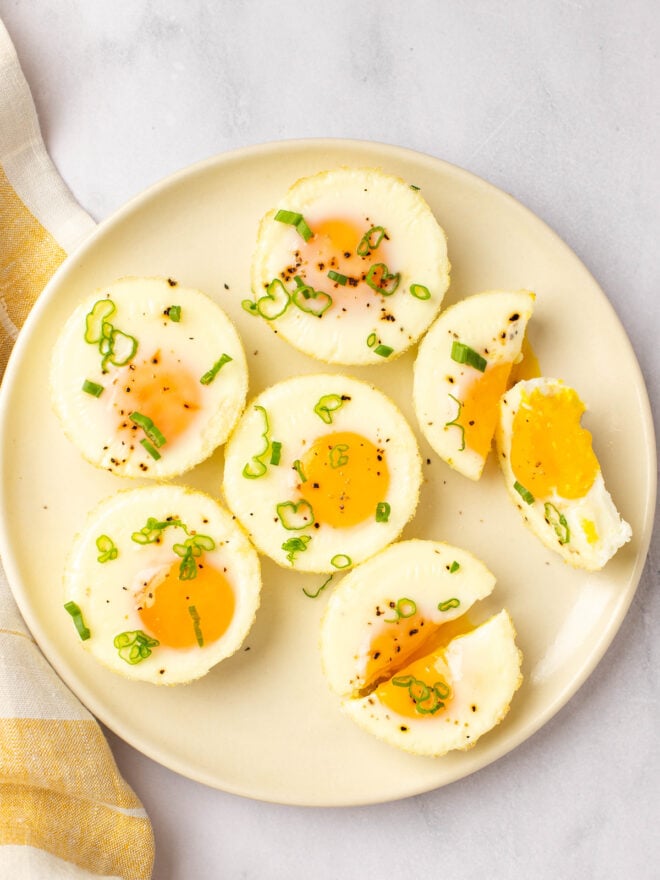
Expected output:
(405, 639)
(550, 450)
(161, 389)
(346, 478)
(420, 690)
(182, 613)
(479, 411)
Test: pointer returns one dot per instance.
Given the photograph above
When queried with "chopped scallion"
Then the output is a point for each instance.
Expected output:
(372, 339)
(463, 354)
(293, 218)
(370, 240)
(299, 468)
(456, 424)
(448, 604)
(92, 388)
(74, 610)
(383, 510)
(404, 608)
(340, 560)
(134, 646)
(210, 375)
(420, 292)
(381, 280)
(107, 549)
(295, 545)
(454, 567)
(558, 521)
(337, 455)
(295, 517)
(153, 452)
(525, 494)
(326, 405)
(383, 350)
(338, 277)
(174, 313)
(147, 425)
(320, 589)
(275, 452)
(192, 611)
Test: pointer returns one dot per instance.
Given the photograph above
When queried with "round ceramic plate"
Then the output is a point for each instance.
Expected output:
(264, 723)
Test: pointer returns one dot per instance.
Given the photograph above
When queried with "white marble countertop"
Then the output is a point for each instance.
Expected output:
(554, 102)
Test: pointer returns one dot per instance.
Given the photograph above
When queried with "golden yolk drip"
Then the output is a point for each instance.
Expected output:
(166, 603)
(480, 409)
(527, 368)
(406, 639)
(347, 476)
(550, 451)
(160, 389)
(420, 690)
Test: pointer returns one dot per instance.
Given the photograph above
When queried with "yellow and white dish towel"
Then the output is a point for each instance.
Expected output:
(65, 811)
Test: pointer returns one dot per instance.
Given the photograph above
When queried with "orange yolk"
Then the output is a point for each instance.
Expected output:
(550, 451)
(418, 690)
(480, 410)
(346, 478)
(337, 237)
(160, 389)
(405, 639)
(166, 603)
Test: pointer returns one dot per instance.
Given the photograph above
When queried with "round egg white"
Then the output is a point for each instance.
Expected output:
(109, 586)
(162, 376)
(492, 324)
(290, 415)
(483, 670)
(440, 583)
(586, 531)
(347, 321)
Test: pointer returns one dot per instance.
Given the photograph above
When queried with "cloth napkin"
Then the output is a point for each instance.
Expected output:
(65, 811)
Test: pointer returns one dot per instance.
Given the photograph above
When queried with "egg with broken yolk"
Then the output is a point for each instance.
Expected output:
(163, 582)
(322, 471)
(553, 475)
(409, 663)
(148, 377)
(463, 367)
(351, 267)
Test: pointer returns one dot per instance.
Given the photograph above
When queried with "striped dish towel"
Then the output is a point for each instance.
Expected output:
(65, 811)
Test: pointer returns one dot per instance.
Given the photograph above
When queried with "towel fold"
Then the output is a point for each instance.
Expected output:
(65, 811)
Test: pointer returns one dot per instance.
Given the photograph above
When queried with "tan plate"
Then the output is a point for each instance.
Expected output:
(264, 724)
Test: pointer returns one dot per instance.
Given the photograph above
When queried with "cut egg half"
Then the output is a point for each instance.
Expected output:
(148, 377)
(399, 649)
(553, 475)
(462, 369)
(322, 471)
(162, 584)
(351, 266)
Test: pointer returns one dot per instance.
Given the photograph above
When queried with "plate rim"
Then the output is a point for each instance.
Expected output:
(601, 645)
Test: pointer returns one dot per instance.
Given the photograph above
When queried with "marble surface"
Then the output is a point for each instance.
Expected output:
(554, 102)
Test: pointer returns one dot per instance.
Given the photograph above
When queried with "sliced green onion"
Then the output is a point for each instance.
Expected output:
(403, 681)
(250, 306)
(463, 354)
(92, 388)
(274, 302)
(295, 517)
(370, 240)
(340, 560)
(379, 279)
(420, 292)
(299, 468)
(275, 452)
(320, 589)
(295, 545)
(257, 467)
(174, 313)
(449, 604)
(151, 533)
(192, 611)
(95, 319)
(153, 452)
(404, 608)
(74, 610)
(134, 646)
(454, 567)
(152, 432)
(455, 422)
(525, 494)
(326, 405)
(210, 375)
(372, 339)
(313, 302)
(383, 510)
(383, 350)
(337, 457)
(292, 218)
(190, 550)
(419, 691)
(442, 689)
(107, 549)
(338, 277)
(122, 349)
(558, 521)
